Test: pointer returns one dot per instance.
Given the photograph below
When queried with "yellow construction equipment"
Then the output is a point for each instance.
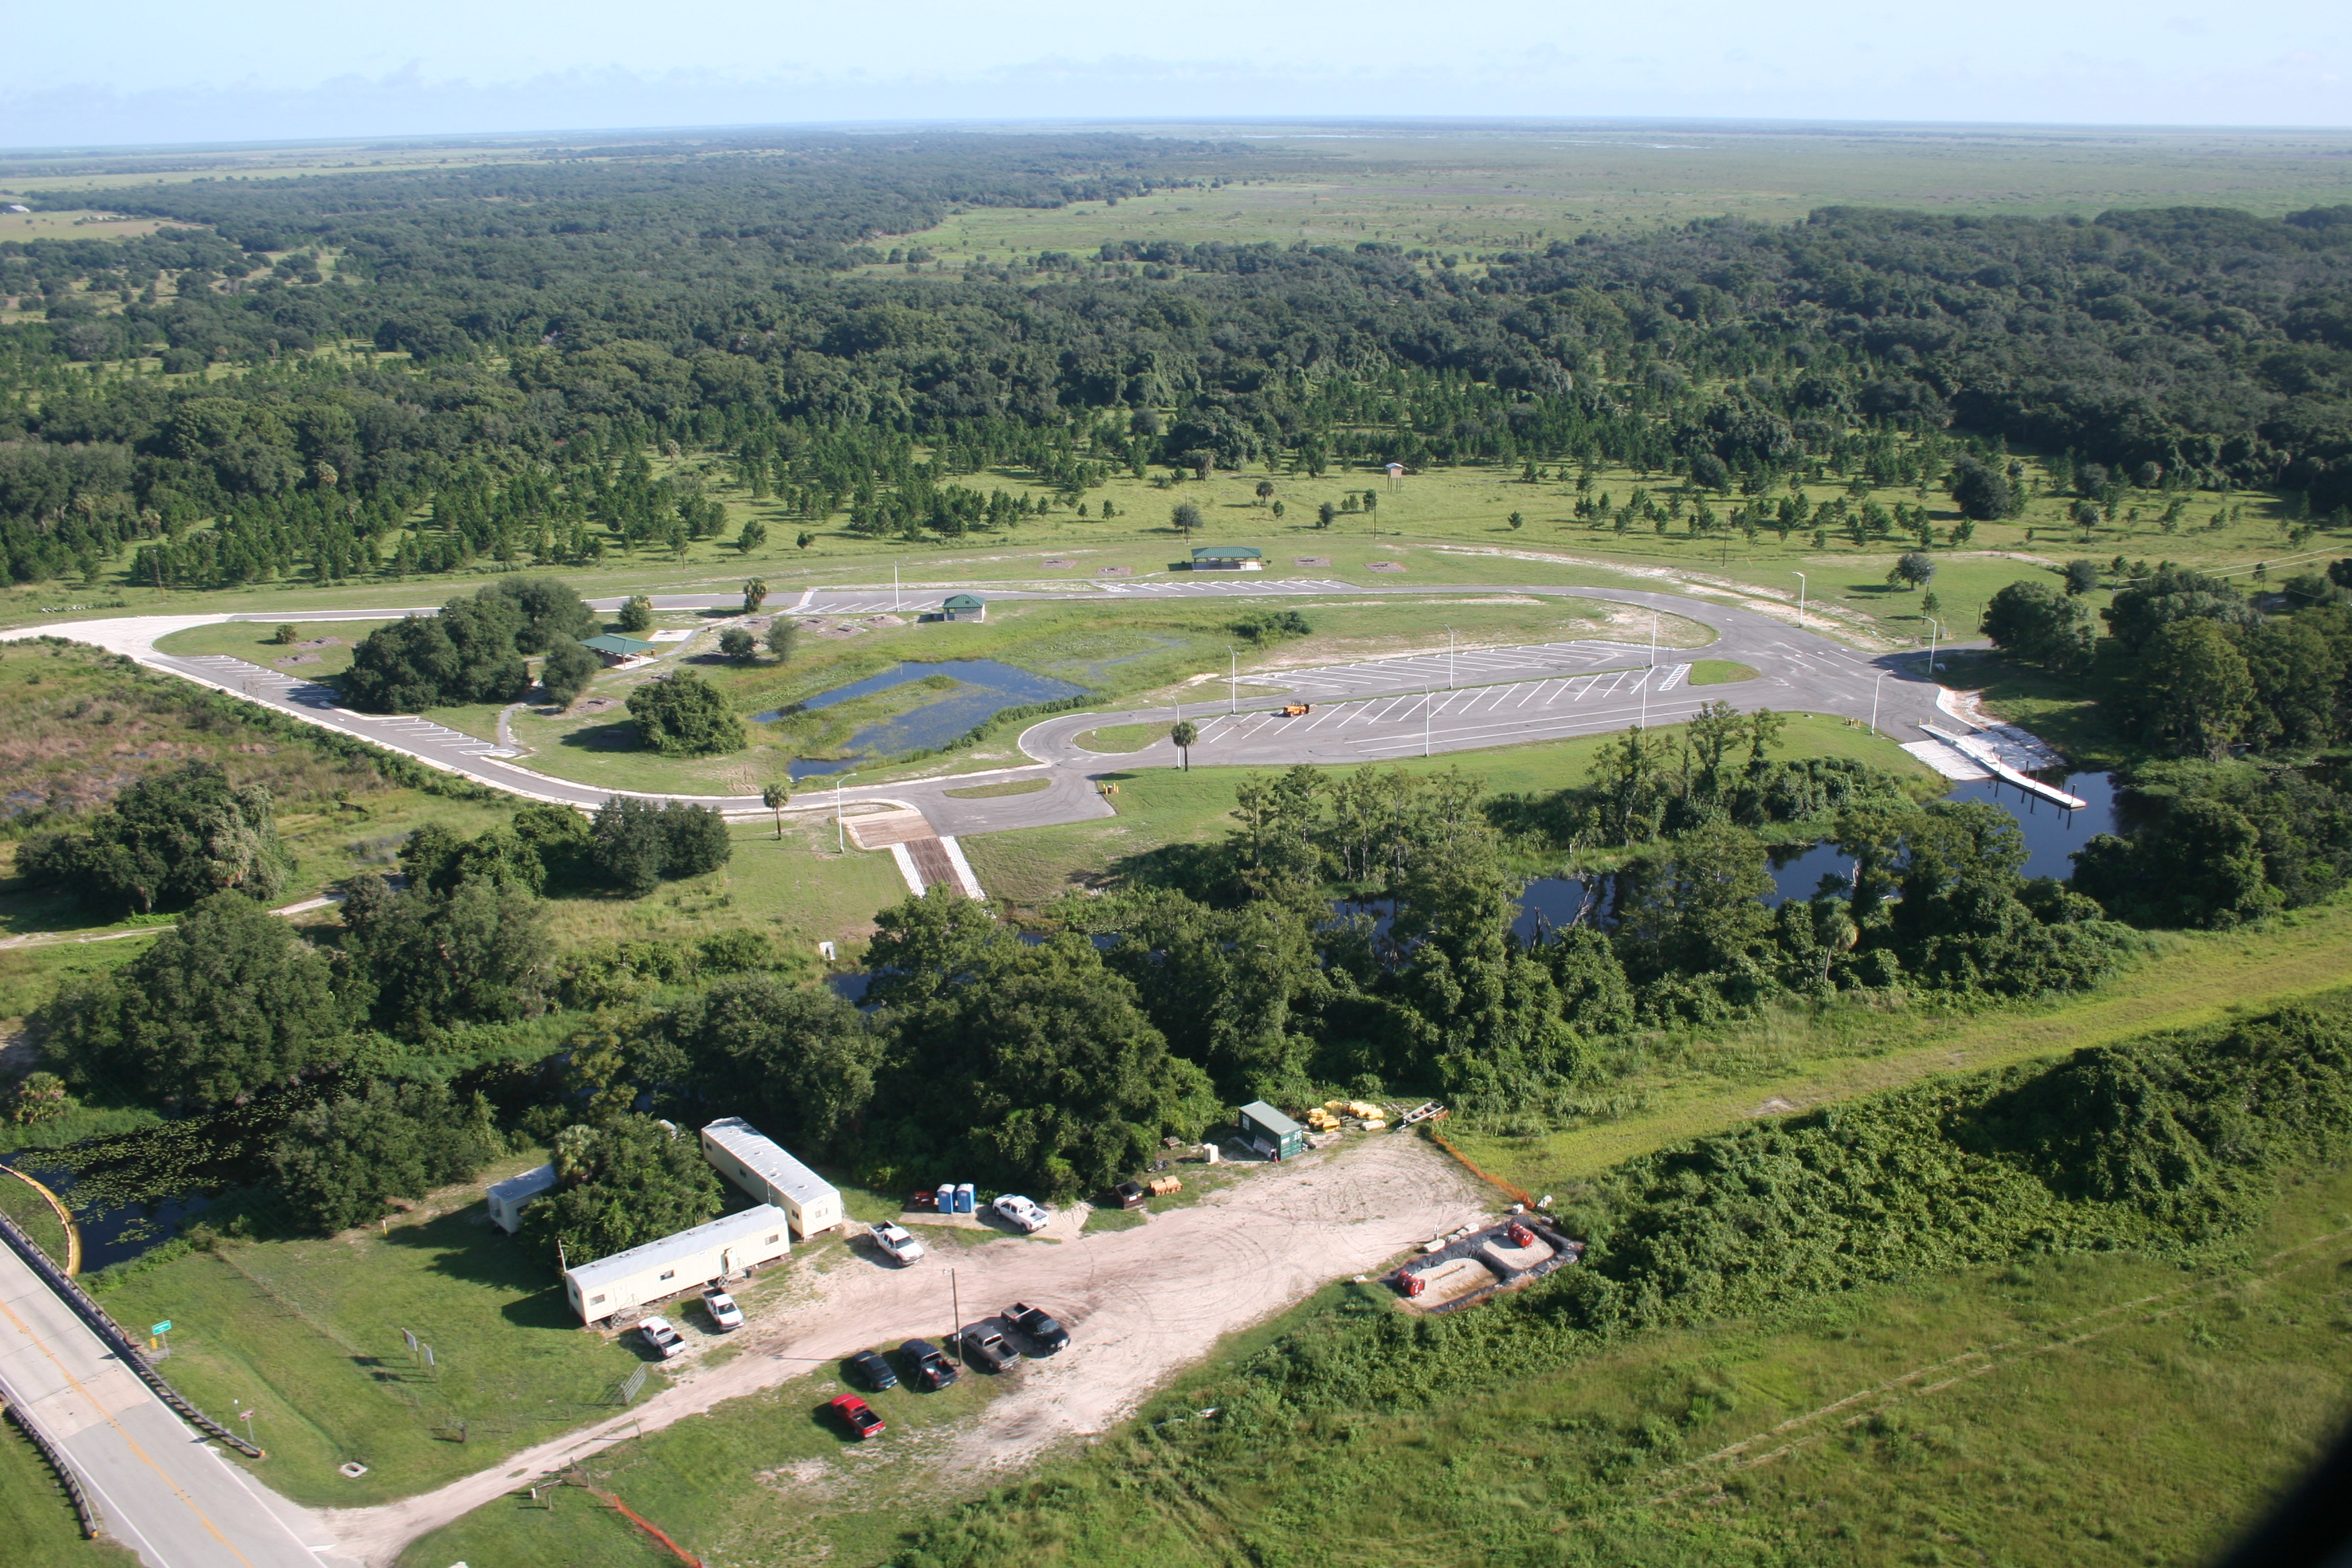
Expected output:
(1298, 709)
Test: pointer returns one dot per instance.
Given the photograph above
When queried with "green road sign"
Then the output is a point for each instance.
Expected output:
(162, 1327)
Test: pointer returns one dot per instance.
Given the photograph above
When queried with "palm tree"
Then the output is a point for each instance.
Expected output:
(774, 797)
(755, 594)
(1183, 735)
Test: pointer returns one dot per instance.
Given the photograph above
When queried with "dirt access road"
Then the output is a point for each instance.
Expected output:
(1141, 1304)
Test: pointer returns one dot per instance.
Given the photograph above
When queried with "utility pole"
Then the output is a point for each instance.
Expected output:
(1801, 585)
(955, 1306)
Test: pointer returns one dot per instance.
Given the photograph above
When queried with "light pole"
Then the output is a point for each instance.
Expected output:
(1801, 585)
(840, 829)
(1935, 631)
(955, 1308)
(1873, 700)
(894, 601)
(1232, 682)
(1424, 720)
(1449, 682)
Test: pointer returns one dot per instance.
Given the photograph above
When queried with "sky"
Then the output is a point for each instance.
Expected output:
(144, 71)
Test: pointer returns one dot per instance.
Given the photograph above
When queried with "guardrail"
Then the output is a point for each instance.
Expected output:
(83, 1506)
(108, 1330)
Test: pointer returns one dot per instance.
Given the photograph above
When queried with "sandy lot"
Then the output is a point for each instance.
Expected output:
(1140, 1305)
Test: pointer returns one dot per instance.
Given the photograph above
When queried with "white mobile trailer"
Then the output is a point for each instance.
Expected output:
(658, 1270)
(758, 1163)
(508, 1197)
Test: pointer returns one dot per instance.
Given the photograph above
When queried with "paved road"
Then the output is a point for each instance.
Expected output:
(161, 1489)
(1476, 697)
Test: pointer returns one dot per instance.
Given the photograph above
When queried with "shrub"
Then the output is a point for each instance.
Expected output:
(683, 715)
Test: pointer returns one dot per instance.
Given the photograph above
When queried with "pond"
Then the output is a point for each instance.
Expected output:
(983, 689)
(2052, 833)
(113, 1235)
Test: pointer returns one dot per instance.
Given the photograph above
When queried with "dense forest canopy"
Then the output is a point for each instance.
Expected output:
(565, 316)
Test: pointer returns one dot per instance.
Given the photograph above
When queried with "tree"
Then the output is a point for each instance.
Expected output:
(755, 594)
(1913, 569)
(1184, 734)
(1325, 513)
(775, 794)
(1982, 492)
(635, 844)
(754, 535)
(170, 839)
(1186, 517)
(229, 1004)
(337, 1162)
(637, 614)
(781, 634)
(478, 952)
(549, 609)
(2196, 691)
(1034, 1063)
(567, 671)
(1696, 906)
(2201, 864)
(682, 715)
(1709, 472)
(2082, 576)
(621, 1181)
(805, 539)
(2030, 621)
(800, 1055)
(403, 667)
(2172, 594)
(738, 644)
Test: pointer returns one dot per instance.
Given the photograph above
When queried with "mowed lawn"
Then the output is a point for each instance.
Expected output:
(307, 1334)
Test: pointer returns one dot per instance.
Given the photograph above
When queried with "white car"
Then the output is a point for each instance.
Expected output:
(897, 1243)
(1019, 1211)
(725, 1315)
(665, 1340)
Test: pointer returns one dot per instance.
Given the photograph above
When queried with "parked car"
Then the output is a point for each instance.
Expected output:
(926, 1365)
(663, 1340)
(1019, 1212)
(725, 1315)
(1037, 1326)
(897, 1242)
(863, 1422)
(984, 1348)
(871, 1370)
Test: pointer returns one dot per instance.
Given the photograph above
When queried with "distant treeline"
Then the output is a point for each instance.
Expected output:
(566, 319)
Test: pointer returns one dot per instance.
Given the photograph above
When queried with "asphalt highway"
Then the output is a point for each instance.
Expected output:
(1374, 711)
(160, 1488)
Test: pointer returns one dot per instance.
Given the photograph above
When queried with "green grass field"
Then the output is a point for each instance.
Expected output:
(2079, 1412)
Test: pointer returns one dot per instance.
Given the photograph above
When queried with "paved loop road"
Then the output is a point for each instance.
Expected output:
(1480, 697)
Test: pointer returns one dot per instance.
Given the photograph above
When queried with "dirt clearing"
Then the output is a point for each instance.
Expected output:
(1140, 1305)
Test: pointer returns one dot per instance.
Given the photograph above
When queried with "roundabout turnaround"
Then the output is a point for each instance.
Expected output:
(1374, 711)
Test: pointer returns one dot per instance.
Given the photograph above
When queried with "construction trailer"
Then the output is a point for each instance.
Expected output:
(508, 1197)
(642, 1276)
(1270, 1132)
(758, 1163)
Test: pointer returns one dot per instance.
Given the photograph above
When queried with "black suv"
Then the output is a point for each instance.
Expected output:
(872, 1371)
(1037, 1326)
(927, 1366)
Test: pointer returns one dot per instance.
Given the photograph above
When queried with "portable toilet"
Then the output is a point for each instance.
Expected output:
(1270, 1132)
(964, 1198)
